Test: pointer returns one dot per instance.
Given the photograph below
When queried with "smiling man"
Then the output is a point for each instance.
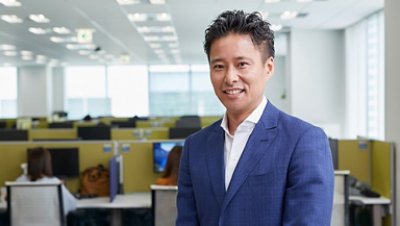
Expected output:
(258, 165)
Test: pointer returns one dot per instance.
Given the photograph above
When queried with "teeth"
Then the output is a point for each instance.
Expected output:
(236, 91)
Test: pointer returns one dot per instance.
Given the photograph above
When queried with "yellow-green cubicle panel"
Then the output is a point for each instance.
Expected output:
(135, 134)
(91, 153)
(383, 171)
(41, 134)
(208, 120)
(156, 123)
(355, 155)
(138, 172)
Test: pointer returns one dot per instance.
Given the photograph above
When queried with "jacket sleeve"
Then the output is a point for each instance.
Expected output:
(310, 184)
(186, 202)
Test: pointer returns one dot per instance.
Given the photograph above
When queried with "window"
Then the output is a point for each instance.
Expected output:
(8, 92)
(86, 92)
(128, 90)
(365, 80)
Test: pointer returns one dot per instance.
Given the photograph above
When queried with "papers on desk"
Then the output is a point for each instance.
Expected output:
(361, 200)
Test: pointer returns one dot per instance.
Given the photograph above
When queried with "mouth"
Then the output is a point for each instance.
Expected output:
(233, 91)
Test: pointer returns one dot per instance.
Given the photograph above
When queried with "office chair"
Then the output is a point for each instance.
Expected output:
(34, 203)
(163, 199)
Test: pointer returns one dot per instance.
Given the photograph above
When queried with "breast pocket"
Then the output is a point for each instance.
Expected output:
(261, 179)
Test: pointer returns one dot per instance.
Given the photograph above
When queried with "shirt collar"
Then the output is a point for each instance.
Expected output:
(254, 117)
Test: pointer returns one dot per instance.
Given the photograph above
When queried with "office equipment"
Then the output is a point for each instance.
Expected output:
(188, 121)
(64, 162)
(35, 204)
(53, 125)
(114, 172)
(181, 132)
(3, 125)
(94, 132)
(163, 199)
(13, 135)
(123, 124)
(160, 154)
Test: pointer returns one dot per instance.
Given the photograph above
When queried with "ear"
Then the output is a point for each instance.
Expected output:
(269, 67)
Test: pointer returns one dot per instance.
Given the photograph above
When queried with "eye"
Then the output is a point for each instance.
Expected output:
(218, 67)
(243, 64)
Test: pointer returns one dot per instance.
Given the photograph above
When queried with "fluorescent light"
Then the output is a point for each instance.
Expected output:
(147, 29)
(168, 38)
(157, 2)
(276, 27)
(288, 15)
(169, 68)
(173, 45)
(61, 30)
(128, 2)
(10, 53)
(26, 53)
(7, 47)
(272, 1)
(155, 45)
(80, 46)
(152, 38)
(175, 51)
(38, 30)
(137, 17)
(10, 3)
(163, 17)
(12, 19)
(200, 67)
(57, 39)
(39, 18)
(83, 52)
(26, 57)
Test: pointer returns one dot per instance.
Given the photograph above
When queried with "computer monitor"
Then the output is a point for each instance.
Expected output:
(64, 125)
(13, 135)
(182, 132)
(3, 125)
(64, 162)
(123, 124)
(114, 173)
(160, 154)
(94, 132)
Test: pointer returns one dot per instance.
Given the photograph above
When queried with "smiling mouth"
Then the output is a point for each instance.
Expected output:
(233, 91)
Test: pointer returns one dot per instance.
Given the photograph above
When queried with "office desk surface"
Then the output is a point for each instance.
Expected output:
(133, 200)
(369, 201)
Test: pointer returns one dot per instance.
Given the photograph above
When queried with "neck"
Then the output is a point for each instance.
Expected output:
(234, 120)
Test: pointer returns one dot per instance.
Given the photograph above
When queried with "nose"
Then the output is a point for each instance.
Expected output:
(231, 76)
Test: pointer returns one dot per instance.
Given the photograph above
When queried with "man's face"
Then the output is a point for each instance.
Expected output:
(238, 73)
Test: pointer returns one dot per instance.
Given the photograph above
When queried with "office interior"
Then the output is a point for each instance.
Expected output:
(336, 67)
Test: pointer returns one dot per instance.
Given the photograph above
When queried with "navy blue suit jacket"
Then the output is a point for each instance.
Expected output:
(284, 176)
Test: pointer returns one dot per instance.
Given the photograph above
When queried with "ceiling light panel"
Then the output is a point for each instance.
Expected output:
(12, 19)
(128, 2)
(39, 18)
(10, 53)
(157, 2)
(10, 3)
(156, 29)
(288, 15)
(138, 17)
(7, 47)
(39, 31)
(61, 30)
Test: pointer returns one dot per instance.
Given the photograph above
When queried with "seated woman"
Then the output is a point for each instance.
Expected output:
(170, 175)
(39, 170)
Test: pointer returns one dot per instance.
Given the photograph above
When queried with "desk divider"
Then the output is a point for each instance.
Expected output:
(355, 155)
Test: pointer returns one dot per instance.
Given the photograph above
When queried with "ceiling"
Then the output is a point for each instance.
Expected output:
(118, 40)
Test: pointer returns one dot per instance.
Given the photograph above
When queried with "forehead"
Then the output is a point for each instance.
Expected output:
(234, 45)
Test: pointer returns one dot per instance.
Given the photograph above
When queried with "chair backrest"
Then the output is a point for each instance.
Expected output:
(163, 199)
(188, 122)
(35, 203)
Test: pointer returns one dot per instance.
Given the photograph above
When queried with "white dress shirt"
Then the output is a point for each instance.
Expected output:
(235, 144)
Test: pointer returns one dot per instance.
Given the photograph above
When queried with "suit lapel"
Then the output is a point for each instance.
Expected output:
(257, 146)
(215, 162)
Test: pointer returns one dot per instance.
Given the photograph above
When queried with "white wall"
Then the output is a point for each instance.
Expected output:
(58, 89)
(34, 83)
(276, 86)
(392, 83)
(317, 78)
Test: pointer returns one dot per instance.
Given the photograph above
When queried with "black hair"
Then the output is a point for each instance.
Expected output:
(239, 22)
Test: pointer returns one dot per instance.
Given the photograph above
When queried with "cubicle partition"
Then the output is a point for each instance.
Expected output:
(52, 134)
(13, 154)
(371, 162)
(139, 133)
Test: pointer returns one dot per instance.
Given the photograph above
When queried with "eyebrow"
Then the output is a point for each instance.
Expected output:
(216, 60)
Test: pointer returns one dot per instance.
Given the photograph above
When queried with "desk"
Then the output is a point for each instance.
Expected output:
(379, 207)
(127, 201)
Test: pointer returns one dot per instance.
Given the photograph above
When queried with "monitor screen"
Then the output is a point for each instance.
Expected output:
(182, 132)
(64, 162)
(160, 154)
(13, 135)
(62, 125)
(123, 124)
(94, 132)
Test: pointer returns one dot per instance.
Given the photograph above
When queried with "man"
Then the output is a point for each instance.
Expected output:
(258, 165)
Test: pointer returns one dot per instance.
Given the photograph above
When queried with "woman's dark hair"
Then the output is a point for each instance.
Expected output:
(172, 166)
(39, 163)
(239, 22)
